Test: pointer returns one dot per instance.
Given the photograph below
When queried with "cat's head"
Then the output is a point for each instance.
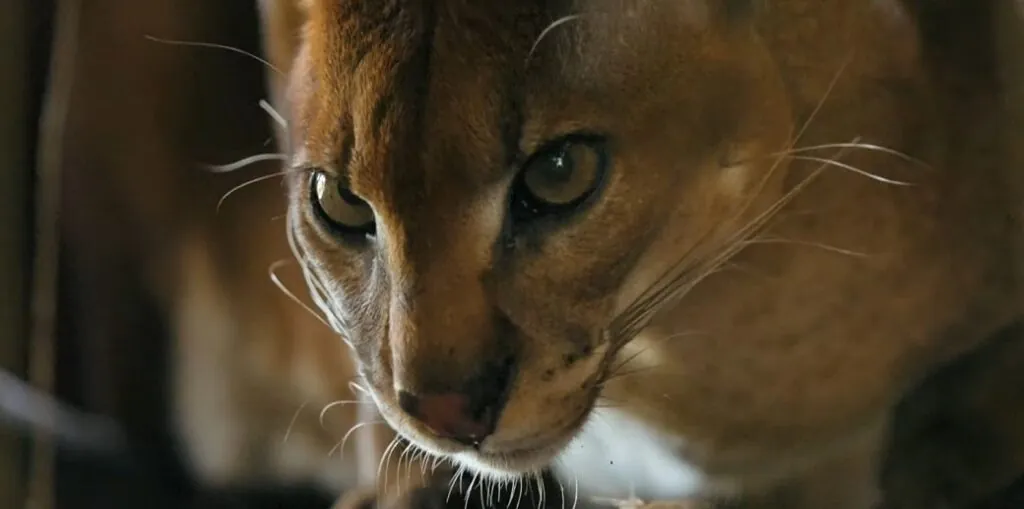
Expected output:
(488, 193)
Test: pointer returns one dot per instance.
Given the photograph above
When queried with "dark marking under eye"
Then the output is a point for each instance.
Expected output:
(512, 124)
(345, 157)
(380, 113)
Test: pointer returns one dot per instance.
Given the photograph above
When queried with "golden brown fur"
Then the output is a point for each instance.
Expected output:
(264, 392)
(819, 184)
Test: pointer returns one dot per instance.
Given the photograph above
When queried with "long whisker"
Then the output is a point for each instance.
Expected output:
(272, 271)
(252, 181)
(356, 387)
(630, 313)
(708, 268)
(540, 488)
(844, 166)
(317, 291)
(520, 484)
(481, 488)
(323, 411)
(575, 492)
(826, 247)
(278, 118)
(638, 312)
(404, 456)
(340, 446)
(291, 424)
(456, 479)
(828, 93)
(856, 144)
(385, 461)
(216, 46)
(242, 163)
(469, 491)
(675, 288)
(555, 24)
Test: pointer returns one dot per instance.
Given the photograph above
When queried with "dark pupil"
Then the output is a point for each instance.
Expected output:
(347, 195)
(558, 171)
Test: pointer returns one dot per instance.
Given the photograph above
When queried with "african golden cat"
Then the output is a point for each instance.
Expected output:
(687, 249)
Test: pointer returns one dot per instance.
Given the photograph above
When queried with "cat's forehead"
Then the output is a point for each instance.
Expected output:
(343, 34)
(412, 96)
(391, 89)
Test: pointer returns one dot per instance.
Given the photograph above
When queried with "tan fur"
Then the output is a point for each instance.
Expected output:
(262, 389)
(832, 200)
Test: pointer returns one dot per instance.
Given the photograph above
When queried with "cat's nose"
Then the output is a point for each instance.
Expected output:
(450, 415)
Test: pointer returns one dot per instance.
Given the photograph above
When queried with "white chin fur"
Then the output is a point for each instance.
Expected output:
(613, 456)
(618, 457)
(488, 470)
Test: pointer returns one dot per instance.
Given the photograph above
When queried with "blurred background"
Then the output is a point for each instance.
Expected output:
(104, 133)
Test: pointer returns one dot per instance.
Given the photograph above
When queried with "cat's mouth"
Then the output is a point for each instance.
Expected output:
(513, 459)
(502, 459)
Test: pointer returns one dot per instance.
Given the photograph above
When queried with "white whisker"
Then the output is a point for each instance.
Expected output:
(281, 286)
(856, 144)
(323, 411)
(826, 247)
(291, 423)
(555, 24)
(854, 169)
(248, 183)
(340, 446)
(216, 46)
(273, 113)
(246, 161)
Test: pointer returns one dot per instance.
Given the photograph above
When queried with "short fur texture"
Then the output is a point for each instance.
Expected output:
(805, 221)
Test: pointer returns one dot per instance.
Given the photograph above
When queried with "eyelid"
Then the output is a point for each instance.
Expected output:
(300, 159)
(536, 139)
(552, 143)
(301, 162)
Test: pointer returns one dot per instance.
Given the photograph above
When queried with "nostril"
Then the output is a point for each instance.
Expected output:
(409, 403)
(448, 415)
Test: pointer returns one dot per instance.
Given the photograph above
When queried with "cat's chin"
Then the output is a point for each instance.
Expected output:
(507, 465)
(501, 462)
(494, 460)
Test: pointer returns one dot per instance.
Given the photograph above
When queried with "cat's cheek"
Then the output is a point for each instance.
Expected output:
(551, 394)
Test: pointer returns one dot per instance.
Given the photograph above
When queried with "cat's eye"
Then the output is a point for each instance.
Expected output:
(559, 178)
(343, 211)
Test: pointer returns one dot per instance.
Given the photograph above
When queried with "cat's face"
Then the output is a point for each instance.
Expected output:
(493, 185)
